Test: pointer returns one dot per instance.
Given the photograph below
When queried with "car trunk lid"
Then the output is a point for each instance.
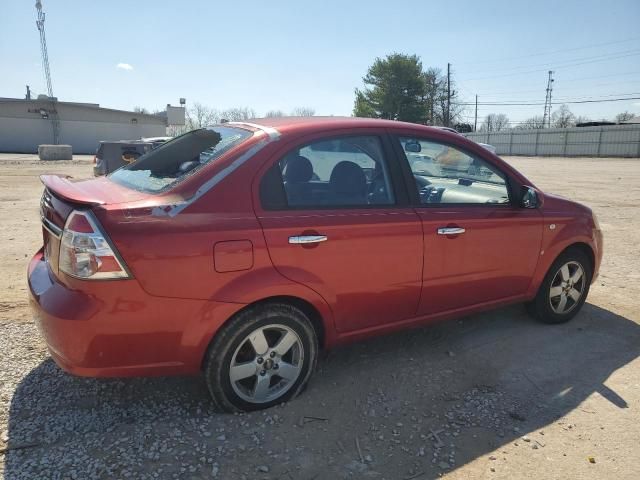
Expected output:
(95, 191)
(62, 195)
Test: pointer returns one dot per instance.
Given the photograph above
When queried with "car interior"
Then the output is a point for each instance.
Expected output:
(337, 172)
(351, 171)
(446, 175)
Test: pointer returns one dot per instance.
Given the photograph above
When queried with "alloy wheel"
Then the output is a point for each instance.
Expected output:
(266, 364)
(567, 287)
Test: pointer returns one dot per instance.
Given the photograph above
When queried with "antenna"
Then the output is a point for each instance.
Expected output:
(546, 118)
(53, 114)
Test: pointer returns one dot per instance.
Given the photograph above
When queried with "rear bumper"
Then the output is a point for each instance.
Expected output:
(114, 328)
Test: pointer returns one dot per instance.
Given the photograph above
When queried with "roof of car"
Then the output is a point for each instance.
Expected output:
(289, 124)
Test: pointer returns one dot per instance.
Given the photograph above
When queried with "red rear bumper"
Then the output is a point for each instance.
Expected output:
(114, 328)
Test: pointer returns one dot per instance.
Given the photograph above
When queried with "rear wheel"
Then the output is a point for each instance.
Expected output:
(564, 289)
(263, 357)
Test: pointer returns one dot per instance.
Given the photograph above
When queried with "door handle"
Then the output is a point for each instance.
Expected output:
(305, 239)
(451, 230)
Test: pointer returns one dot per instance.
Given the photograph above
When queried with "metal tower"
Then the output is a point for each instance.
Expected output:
(546, 118)
(53, 112)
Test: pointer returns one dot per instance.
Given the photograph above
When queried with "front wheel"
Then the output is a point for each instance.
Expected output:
(564, 288)
(263, 357)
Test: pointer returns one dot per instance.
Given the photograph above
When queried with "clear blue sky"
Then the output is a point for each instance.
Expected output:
(283, 54)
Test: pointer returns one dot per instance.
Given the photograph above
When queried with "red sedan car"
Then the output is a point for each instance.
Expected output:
(242, 249)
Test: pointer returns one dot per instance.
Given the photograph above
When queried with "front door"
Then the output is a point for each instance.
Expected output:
(478, 245)
(340, 228)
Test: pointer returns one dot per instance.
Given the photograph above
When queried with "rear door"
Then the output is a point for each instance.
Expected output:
(479, 246)
(336, 218)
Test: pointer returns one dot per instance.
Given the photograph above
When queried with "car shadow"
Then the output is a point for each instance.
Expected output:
(409, 405)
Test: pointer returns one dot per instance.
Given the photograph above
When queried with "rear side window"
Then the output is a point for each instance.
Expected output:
(161, 168)
(339, 172)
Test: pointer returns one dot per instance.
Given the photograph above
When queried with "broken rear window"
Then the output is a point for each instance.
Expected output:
(161, 168)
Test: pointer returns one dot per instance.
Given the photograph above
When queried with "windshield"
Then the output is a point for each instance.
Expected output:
(163, 167)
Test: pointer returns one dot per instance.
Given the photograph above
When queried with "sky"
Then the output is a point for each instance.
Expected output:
(286, 54)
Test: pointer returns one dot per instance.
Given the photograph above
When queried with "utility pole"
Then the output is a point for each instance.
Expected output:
(475, 123)
(448, 119)
(546, 118)
(432, 101)
(53, 114)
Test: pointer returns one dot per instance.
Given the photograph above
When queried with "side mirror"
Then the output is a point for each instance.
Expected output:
(412, 147)
(529, 198)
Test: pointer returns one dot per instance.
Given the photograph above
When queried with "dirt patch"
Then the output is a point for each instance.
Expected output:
(495, 395)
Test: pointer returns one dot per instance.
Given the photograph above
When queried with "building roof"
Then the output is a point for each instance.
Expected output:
(93, 106)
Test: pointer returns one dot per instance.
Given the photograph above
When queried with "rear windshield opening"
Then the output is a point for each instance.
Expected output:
(163, 167)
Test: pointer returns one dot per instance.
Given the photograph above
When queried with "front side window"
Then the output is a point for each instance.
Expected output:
(444, 174)
(162, 167)
(339, 172)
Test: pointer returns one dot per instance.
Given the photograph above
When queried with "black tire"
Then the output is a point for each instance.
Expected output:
(541, 307)
(233, 337)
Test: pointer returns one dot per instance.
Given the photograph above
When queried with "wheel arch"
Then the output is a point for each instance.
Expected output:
(585, 248)
(318, 322)
(551, 256)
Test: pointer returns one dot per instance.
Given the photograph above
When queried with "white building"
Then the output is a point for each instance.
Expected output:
(25, 124)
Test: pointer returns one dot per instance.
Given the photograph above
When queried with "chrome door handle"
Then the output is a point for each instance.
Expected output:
(451, 231)
(302, 239)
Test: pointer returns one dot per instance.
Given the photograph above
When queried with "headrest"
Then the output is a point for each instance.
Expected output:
(348, 178)
(299, 170)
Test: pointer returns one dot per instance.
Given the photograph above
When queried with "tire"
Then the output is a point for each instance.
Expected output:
(548, 306)
(265, 371)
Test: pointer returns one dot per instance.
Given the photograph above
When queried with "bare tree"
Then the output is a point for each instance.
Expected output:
(274, 114)
(582, 119)
(238, 114)
(495, 122)
(435, 100)
(141, 110)
(624, 116)
(563, 118)
(531, 123)
(199, 116)
(303, 112)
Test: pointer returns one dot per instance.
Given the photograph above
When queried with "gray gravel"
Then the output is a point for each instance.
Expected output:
(395, 407)
(572, 390)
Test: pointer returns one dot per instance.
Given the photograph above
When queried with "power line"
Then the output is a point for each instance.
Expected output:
(564, 99)
(547, 64)
(553, 52)
(568, 65)
(567, 82)
(562, 86)
(538, 104)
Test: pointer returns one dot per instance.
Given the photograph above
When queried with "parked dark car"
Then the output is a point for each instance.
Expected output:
(243, 249)
(112, 155)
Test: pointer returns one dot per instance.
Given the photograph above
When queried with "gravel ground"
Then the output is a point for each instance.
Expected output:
(495, 395)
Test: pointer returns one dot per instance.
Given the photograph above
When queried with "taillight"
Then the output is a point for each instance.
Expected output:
(85, 251)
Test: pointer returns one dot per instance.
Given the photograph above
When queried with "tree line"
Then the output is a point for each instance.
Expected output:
(399, 87)
(563, 117)
(200, 115)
